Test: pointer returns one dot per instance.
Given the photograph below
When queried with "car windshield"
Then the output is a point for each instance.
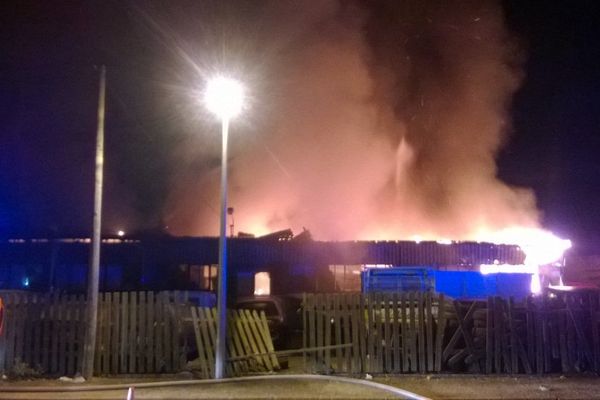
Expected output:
(266, 306)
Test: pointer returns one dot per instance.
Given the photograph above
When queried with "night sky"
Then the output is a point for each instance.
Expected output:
(50, 50)
(556, 114)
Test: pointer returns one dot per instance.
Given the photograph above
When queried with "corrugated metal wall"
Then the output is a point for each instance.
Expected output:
(251, 251)
(150, 262)
(256, 251)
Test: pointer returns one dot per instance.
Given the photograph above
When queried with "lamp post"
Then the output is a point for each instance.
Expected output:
(89, 350)
(223, 97)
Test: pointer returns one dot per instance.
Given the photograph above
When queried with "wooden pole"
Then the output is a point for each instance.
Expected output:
(94, 268)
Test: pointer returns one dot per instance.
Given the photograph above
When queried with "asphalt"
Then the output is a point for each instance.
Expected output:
(258, 387)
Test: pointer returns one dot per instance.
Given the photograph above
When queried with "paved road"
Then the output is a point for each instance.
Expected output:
(273, 387)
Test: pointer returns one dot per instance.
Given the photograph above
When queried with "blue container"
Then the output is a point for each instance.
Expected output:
(475, 285)
(397, 279)
(456, 284)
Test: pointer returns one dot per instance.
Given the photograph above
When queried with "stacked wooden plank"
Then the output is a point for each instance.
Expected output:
(249, 344)
(409, 332)
(542, 334)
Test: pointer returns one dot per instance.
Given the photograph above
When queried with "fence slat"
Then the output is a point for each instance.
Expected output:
(27, 330)
(115, 332)
(255, 338)
(200, 345)
(37, 331)
(429, 331)
(262, 326)
(11, 326)
(131, 332)
(100, 328)
(150, 322)
(211, 319)
(176, 347)
(413, 331)
(513, 338)
(421, 332)
(141, 337)
(347, 335)
(62, 334)
(379, 310)
(337, 326)
(232, 348)
(327, 315)
(387, 332)
(71, 326)
(124, 334)
(108, 306)
(439, 334)
(358, 320)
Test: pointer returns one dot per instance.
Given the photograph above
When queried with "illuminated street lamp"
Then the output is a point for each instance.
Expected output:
(223, 97)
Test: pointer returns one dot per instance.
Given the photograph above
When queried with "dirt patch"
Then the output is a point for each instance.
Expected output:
(451, 387)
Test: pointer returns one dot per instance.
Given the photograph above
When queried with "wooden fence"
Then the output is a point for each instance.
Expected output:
(423, 332)
(148, 332)
(138, 332)
(249, 344)
(141, 332)
(383, 332)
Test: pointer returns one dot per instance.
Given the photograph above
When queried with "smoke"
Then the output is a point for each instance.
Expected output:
(372, 120)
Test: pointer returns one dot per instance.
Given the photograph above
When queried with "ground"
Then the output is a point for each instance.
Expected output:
(438, 387)
(446, 387)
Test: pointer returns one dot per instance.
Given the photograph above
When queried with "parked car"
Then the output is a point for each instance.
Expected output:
(284, 317)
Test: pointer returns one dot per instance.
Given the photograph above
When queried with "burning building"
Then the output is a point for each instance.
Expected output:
(284, 264)
(378, 121)
(383, 121)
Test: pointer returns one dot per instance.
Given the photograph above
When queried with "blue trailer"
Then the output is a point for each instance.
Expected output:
(454, 283)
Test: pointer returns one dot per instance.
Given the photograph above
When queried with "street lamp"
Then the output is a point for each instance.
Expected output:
(223, 97)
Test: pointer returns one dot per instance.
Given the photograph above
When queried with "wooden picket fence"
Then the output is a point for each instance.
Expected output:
(42, 332)
(546, 334)
(425, 332)
(249, 344)
(147, 332)
(374, 333)
(138, 332)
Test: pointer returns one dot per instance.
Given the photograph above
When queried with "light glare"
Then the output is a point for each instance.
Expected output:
(536, 284)
(495, 268)
(262, 284)
(224, 97)
(541, 247)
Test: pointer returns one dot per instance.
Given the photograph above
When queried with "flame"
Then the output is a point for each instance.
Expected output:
(536, 284)
(487, 269)
(541, 247)
(257, 227)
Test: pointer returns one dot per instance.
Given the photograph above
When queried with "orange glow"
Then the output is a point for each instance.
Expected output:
(541, 247)
(486, 269)
(262, 284)
(256, 228)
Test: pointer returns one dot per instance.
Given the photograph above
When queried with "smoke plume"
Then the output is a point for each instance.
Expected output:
(371, 120)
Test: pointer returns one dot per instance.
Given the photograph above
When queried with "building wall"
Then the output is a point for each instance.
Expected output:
(167, 263)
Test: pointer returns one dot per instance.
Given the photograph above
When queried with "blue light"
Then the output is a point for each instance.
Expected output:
(25, 282)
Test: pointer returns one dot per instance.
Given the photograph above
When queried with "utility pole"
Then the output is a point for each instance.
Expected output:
(94, 268)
